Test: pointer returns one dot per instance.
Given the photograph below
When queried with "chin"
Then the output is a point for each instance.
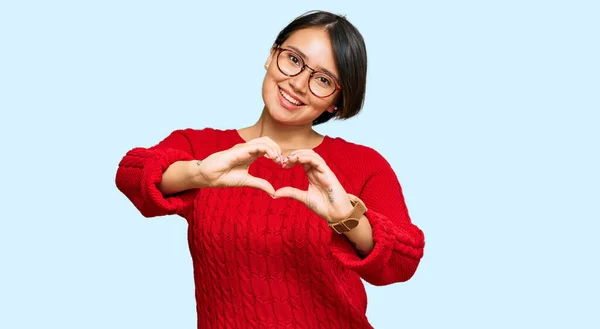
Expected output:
(282, 115)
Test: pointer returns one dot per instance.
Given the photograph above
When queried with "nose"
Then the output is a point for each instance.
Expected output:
(300, 82)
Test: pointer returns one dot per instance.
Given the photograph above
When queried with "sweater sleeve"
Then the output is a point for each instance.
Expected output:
(398, 245)
(140, 173)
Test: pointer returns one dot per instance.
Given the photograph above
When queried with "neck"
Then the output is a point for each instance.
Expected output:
(288, 137)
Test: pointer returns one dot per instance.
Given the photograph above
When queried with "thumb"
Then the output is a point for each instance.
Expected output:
(259, 183)
(291, 192)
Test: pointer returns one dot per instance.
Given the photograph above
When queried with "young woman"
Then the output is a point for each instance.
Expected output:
(284, 222)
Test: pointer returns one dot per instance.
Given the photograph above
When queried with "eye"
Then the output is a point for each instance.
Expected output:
(324, 80)
(294, 59)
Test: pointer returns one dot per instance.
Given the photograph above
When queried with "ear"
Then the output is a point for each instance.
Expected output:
(271, 56)
(332, 108)
(268, 62)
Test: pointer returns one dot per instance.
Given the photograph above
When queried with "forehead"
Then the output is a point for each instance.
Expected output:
(315, 44)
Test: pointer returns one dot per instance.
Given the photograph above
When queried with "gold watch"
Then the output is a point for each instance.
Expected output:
(353, 219)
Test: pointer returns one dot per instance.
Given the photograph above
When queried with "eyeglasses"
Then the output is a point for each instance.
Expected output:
(291, 64)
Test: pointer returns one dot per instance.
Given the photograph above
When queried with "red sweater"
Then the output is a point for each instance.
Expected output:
(261, 262)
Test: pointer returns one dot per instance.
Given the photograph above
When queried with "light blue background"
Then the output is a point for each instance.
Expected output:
(487, 110)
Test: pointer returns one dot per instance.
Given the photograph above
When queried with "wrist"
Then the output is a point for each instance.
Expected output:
(196, 175)
(353, 217)
(344, 211)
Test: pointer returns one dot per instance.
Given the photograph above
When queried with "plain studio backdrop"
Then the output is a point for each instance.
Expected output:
(487, 111)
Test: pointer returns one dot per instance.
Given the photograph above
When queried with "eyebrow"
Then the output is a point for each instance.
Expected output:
(319, 68)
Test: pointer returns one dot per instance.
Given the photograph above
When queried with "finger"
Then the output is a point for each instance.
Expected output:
(291, 192)
(304, 151)
(251, 151)
(272, 143)
(259, 183)
(291, 159)
(308, 159)
(268, 141)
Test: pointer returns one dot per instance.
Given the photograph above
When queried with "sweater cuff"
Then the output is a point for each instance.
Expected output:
(152, 177)
(379, 256)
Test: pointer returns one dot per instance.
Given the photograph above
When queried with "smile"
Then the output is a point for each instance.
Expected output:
(289, 98)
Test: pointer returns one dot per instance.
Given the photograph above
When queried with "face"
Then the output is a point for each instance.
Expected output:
(314, 48)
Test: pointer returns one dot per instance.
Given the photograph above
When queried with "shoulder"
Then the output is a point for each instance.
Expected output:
(193, 133)
(356, 155)
(206, 134)
(208, 140)
(354, 164)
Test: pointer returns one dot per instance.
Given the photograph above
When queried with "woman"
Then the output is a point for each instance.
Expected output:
(284, 222)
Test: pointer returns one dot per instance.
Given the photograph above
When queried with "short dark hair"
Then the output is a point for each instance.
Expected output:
(350, 57)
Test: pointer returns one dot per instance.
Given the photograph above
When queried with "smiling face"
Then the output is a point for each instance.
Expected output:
(288, 99)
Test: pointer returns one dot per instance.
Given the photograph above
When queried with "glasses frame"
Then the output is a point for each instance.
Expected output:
(304, 66)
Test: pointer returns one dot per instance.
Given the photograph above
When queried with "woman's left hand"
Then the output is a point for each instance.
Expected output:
(325, 195)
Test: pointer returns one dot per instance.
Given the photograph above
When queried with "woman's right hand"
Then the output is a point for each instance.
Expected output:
(229, 168)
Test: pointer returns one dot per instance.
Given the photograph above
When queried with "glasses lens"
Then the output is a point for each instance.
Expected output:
(322, 84)
(289, 63)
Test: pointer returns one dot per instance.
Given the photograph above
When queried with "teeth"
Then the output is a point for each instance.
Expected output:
(289, 98)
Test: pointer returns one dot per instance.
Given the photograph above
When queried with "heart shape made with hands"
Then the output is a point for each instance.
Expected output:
(263, 184)
(324, 195)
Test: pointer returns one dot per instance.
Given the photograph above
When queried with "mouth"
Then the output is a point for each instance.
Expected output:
(289, 98)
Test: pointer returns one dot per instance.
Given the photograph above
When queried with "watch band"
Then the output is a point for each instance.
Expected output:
(353, 219)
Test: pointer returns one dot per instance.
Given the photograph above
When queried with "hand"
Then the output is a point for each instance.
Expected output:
(230, 167)
(325, 195)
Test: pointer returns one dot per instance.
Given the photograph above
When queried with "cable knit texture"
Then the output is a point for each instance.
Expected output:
(261, 262)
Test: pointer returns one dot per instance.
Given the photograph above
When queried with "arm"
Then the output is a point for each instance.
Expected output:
(398, 244)
(157, 179)
(182, 176)
(361, 237)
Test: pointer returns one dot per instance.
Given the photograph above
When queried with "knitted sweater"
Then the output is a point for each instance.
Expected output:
(261, 262)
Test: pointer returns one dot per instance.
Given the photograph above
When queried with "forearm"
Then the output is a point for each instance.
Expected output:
(361, 237)
(180, 176)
